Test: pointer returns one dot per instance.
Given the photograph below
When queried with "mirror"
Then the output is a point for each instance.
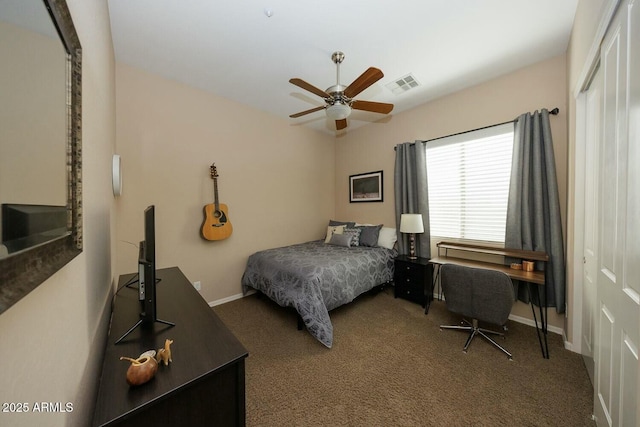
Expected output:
(40, 144)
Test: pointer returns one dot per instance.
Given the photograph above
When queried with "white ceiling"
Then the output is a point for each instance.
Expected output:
(234, 50)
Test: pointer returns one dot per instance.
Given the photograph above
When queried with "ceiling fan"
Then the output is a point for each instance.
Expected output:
(339, 99)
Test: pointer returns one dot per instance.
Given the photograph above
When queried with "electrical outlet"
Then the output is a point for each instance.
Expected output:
(197, 285)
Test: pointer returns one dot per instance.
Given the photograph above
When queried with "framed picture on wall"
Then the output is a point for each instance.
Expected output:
(365, 187)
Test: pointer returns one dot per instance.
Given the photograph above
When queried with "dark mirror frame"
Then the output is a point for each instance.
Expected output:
(23, 272)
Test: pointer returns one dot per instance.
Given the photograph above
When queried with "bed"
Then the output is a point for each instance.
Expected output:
(318, 276)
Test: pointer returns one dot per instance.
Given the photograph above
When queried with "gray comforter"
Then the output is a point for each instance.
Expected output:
(315, 278)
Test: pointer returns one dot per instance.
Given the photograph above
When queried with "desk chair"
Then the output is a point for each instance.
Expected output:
(480, 295)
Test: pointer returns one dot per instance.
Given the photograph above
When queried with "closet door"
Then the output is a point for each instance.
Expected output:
(618, 276)
(593, 137)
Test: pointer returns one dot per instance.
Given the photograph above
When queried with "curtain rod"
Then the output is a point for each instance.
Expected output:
(555, 111)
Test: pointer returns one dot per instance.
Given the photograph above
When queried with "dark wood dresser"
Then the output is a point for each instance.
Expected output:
(413, 280)
(204, 386)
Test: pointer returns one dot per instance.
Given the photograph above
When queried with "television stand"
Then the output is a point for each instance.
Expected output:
(139, 323)
(148, 313)
(204, 385)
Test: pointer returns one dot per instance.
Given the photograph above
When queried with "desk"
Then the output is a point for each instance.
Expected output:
(530, 277)
(536, 277)
(204, 386)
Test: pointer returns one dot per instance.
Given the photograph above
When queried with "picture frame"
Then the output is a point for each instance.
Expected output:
(366, 187)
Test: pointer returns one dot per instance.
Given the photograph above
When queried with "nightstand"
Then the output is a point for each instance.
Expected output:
(413, 280)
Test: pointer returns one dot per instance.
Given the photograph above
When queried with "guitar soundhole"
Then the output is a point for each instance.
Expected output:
(221, 217)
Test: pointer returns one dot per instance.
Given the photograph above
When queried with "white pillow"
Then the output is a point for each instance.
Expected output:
(387, 237)
(333, 229)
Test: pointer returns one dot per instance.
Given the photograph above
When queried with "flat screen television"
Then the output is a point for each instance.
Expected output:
(147, 280)
(147, 268)
(24, 226)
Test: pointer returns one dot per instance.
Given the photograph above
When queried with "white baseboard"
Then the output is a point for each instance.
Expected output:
(526, 321)
(231, 298)
(530, 322)
(568, 345)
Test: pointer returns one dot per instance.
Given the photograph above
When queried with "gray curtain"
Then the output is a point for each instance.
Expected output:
(411, 194)
(533, 212)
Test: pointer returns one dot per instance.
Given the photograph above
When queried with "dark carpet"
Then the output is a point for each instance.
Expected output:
(390, 365)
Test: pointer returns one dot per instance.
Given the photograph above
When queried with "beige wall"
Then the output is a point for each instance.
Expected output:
(33, 134)
(52, 339)
(168, 134)
(585, 26)
(277, 179)
(370, 148)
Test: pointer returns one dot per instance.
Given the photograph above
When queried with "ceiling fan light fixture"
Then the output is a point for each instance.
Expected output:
(338, 111)
(339, 99)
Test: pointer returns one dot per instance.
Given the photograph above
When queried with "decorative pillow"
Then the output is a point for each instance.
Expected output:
(333, 229)
(387, 237)
(349, 224)
(355, 235)
(369, 234)
(340, 240)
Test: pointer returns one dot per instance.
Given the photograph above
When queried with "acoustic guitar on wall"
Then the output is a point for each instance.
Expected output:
(216, 225)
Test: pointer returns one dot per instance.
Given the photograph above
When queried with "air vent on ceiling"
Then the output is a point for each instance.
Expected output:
(403, 84)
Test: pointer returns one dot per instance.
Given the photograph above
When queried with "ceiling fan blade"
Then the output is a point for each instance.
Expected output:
(341, 124)
(365, 80)
(311, 88)
(376, 107)
(302, 113)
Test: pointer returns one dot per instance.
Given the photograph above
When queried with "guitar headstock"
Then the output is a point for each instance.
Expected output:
(212, 171)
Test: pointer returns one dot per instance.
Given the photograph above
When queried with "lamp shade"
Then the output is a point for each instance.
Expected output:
(338, 111)
(411, 223)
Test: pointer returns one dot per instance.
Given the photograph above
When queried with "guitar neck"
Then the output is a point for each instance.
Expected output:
(215, 194)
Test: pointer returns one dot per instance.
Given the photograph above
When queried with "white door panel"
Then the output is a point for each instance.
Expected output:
(628, 385)
(618, 253)
(604, 361)
(590, 233)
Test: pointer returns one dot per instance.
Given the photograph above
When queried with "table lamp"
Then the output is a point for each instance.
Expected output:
(412, 224)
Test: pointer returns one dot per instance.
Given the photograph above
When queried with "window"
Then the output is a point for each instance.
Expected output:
(469, 178)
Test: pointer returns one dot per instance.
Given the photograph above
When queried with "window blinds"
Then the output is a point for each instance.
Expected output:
(469, 177)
